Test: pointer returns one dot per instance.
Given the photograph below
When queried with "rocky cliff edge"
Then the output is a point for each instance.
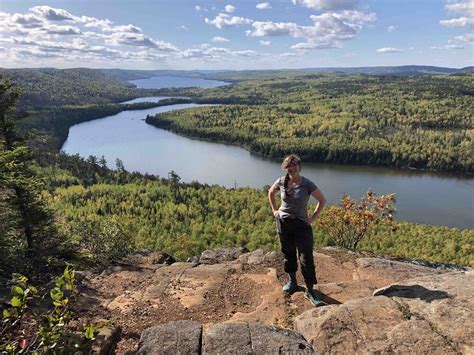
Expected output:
(230, 301)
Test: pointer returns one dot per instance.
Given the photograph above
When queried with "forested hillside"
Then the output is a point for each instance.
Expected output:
(334, 118)
(417, 121)
(53, 87)
(185, 219)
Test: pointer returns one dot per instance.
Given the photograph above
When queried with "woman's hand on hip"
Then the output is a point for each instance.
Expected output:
(310, 220)
(276, 214)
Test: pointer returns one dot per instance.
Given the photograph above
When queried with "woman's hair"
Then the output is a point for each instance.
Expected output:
(288, 160)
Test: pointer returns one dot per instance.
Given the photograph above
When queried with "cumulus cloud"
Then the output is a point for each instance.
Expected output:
(52, 14)
(225, 20)
(229, 8)
(391, 28)
(219, 39)
(458, 22)
(61, 30)
(463, 8)
(134, 39)
(45, 33)
(468, 37)
(327, 31)
(263, 6)
(265, 43)
(26, 21)
(327, 5)
(128, 28)
(388, 50)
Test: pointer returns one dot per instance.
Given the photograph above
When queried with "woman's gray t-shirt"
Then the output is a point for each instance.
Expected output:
(295, 202)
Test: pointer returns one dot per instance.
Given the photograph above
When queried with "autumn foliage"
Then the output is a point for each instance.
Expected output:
(349, 222)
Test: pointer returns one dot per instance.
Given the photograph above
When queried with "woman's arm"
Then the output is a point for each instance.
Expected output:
(271, 197)
(318, 195)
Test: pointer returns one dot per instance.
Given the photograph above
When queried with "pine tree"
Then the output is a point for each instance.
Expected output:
(26, 227)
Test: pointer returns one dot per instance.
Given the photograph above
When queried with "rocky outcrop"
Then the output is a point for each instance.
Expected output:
(221, 255)
(180, 337)
(374, 304)
(188, 337)
(426, 315)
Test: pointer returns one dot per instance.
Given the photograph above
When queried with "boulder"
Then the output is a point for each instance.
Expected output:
(178, 337)
(428, 314)
(147, 257)
(245, 338)
(221, 255)
(106, 341)
(256, 257)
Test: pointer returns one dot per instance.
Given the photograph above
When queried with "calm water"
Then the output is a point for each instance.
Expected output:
(422, 197)
(161, 82)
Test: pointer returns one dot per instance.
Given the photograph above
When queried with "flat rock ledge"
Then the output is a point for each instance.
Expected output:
(189, 337)
(431, 314)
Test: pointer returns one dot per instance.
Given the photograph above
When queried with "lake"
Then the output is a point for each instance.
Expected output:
(162, 82)
(422, 197)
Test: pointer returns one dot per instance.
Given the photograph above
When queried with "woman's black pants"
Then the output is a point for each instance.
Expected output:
(297, 236)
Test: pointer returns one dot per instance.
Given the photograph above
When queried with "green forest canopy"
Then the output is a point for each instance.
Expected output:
(418, 121)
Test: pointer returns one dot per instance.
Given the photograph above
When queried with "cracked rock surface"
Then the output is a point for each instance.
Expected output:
(416, 308)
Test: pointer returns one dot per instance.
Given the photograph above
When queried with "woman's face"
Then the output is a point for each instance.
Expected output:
(293, 168)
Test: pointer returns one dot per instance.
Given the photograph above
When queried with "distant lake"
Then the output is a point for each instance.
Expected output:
(161, 82)
(422, 197)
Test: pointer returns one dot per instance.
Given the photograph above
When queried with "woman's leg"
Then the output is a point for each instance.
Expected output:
(288, 246)
(304, 245)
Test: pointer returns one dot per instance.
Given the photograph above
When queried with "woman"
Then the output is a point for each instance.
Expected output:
(294, 225)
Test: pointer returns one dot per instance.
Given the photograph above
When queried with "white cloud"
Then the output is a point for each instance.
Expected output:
(205, 51)
(92, 22)
(288, 55)
(265, 43)
(219, 39)
(201, 8)
(448, 46)
(247, 53)
(388, 50)
(468, 37)
(229, 8)
(61, 30)
(224, 20)
(136, 39)
(25, 21)
(128, 28)
(52, 14)
(461, 7)
(391, 28)
(269, 28)
(320, 45)
(327, 5)
(465, 9)
(264, 6)
(48, 36)
(328, 29)
(183, 27)
(458, 22)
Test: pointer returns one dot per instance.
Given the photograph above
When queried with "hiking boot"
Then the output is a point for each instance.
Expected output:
(290, 286)
(315, 301)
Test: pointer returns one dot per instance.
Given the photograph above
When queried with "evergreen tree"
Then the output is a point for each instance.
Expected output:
(26, 224)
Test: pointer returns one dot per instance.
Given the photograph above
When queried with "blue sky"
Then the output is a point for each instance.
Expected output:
(266, 34)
